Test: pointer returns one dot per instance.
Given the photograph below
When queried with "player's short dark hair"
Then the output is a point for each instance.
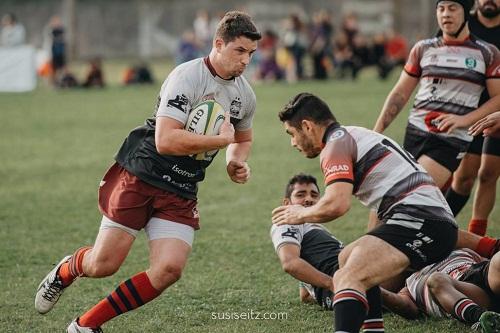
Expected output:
(300, 178)
(236, 24)
(306, 106)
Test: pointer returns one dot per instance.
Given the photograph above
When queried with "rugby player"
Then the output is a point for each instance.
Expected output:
(153, 184)
(417, 227)
(464, 286)
(453, 70)
(482, 159)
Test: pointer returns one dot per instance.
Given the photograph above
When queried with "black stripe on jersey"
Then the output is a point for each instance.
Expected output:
(372, 157)
(442, 107)
(427, 213)
(454, 73)
(401, 189)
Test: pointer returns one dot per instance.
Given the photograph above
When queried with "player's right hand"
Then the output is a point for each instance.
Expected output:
(487, 126)
(227, 129)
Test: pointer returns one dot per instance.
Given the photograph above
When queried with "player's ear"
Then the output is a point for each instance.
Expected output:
(218, 43)
(286, 202)
(306, 125)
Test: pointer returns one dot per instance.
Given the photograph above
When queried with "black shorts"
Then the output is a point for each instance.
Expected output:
(476, 146)
(477, 274)
(433, 242)
(447, 152)
(491, 146)
(485, 145)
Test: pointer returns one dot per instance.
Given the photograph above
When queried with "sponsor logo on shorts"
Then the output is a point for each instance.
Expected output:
(196, 213)
(291, 232)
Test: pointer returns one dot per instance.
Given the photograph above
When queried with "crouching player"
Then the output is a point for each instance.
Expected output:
(465, 286)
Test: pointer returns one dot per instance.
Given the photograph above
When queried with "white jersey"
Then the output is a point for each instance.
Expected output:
(455, 265)
(385, 177)
(194, 82)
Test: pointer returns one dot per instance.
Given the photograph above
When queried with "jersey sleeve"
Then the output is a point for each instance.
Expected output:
(338, 157)
(412, 66)
(247, 120)
(176, 96)
(493, 68)
(286, 234)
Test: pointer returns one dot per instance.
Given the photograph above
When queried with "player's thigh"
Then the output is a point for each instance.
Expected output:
(372, 261)
(169, 244)
(438, 172)
(494, 274)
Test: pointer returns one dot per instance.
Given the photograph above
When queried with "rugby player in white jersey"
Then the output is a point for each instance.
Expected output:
(465, 286)
(417, 227)
(153, 184)
(452, 70)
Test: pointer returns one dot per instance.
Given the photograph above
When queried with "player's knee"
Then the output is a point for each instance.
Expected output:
(168, 273)
(101, 268)
(487, 175)
(464, 183)
(349, 278)
(437, 281)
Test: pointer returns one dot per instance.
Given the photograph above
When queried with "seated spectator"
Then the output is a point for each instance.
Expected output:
(66, 79)
(268, 66)
(342, 54)
(379, 57)
(94, 77)
(13, 33)
(137, 75)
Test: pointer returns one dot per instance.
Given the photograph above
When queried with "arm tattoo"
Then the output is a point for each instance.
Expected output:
(392, 108)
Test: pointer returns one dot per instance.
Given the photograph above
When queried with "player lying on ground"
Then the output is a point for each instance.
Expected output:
(464, 286)
(310, 253)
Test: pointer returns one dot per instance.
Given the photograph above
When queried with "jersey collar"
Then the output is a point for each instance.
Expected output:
(211, 68)
(332, 127)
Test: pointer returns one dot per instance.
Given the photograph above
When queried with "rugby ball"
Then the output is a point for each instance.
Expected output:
(205, 118)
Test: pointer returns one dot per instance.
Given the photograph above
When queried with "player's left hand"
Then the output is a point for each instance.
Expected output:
(289, 214)
(487, 125)
(239, 172)
(450, 122)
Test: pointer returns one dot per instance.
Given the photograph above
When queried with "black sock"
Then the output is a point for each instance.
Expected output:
(456, 201)
(374, 323)
(350, 307)
(468, 311)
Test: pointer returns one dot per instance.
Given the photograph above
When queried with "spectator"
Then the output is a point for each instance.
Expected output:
(139, 74)
(320, 45)
(13, 32)
(379, 57)
(202, 30)
(268, 66)
(350, 27)
(66, 79)
(58, 47)
(342, 54)
(396, 48)
(189, 48)
(94, 77)
(294, 40)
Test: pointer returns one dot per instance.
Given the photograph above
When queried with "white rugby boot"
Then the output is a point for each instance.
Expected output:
(50, 289)
(74, 327)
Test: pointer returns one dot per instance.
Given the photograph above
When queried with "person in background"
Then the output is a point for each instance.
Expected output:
(13, 32)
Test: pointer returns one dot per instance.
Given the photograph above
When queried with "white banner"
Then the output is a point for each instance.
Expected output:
(17, 69)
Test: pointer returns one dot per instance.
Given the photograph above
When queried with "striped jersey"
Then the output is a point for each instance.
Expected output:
(452, 77)
(455, 265)
(385, 177)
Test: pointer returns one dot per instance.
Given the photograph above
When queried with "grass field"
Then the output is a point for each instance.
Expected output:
(56, 145)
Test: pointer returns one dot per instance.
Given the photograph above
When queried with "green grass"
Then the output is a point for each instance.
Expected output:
(55, 147)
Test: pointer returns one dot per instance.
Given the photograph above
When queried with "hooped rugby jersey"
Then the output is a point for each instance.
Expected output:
(452, 78)
(317, 246)
(384, 176)
(186, 86)
(455, 265)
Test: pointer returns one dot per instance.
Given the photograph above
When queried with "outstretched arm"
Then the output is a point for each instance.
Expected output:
(395, 101)
(293, 264)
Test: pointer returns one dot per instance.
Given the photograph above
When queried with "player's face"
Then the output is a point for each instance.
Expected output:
(302, 141)
(489, 8)
(235, 55)
(306, 194)
(450, 15)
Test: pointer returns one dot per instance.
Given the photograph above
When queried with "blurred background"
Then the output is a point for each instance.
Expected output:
(67, 41)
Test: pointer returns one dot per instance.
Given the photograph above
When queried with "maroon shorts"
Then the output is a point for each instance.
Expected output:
(127, 200)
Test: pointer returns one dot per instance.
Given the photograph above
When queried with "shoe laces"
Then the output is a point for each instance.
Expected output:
(53, 290)
(476, 326)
